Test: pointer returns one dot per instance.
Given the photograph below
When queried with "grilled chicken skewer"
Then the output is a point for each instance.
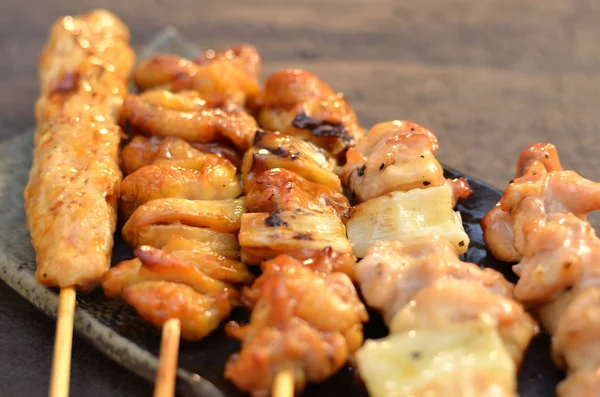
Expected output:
(179, 199)
(71, 197)
(300, 212)
(438, 308)
(541, 223)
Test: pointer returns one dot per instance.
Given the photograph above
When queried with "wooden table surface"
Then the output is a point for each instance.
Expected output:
(487, 76)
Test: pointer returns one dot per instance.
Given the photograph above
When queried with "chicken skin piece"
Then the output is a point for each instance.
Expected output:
(282, 190)
(422, 283)
(71, 196)
(159, 301)
(297, 103)
(294, 327)
(231, 75)
(396, 156)
(212, 182)
(142, 150)
(189, 116)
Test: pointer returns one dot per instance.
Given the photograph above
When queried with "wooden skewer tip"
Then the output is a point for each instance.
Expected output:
(63, 341)
(167, 364)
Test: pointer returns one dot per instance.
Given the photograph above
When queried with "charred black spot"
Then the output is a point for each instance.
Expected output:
(258, 136)
(511, 181)
(66, 85)
(533, 172)
(546, 155)
(461, 243)
(44, 275)
(320, 128)
(381, 167)
(412, 129)
(568, 288)
(274, 220)
(426, 183)
(303, 236)
(422, 156)
(361, 170)
(281, 152)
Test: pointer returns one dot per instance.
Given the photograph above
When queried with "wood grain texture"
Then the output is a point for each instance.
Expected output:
(487, 76)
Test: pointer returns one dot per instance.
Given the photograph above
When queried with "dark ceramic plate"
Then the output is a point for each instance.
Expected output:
(115, 329)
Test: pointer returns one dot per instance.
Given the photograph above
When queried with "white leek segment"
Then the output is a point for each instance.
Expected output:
(400, 216)
(467, 360)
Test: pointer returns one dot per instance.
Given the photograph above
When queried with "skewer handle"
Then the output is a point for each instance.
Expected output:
(63, 341)
(167, 364)
(284, 384)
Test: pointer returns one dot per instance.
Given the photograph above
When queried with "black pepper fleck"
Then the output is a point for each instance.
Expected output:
(422, 156)
(461, 243)
(415, 355)
(303, 236)
(361, 170)
(381, 167)
(426, 183)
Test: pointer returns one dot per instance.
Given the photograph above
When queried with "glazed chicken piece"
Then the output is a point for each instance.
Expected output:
(273, 150)
(142, 150)
(211, 182)
(83, 74)
(219, 215)
(231, 75)
(422, 287)
(543, 215)
(282, 190)
(293, 327)
(189, 116)
(540, 176)
(298, 103)
(159, 301)
(396, 156)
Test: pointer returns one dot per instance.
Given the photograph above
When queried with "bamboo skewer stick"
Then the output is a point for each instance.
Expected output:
(63, 341)
(167, 364)
(284, 384)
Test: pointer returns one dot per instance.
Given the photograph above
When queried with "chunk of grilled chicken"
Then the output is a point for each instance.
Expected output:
(305, 321)
(556, 190)
(298, 103)
(282, 190)
(83, 74)
(219, 215)
(212, 182)
(299, 234)
(159, 301)
(189, 116)
(142, 151)
(396, 156)
(543, 213)
(273, 150)
(230, 75)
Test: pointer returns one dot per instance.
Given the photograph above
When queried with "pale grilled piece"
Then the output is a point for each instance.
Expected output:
(467, 360)
(298, 103)
(543, 214)
(142, 151)
(71, 196)
(230, 75)
(282, 190)
(400, 216)
(211, 182)
(218, 215)
(306, 321)
(539, 177)
(273, 150)
(189, 116)
(396, 156)
(422, 284)
(298, 234)
(159, 301)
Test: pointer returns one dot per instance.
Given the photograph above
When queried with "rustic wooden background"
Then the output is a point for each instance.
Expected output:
(487, 76)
